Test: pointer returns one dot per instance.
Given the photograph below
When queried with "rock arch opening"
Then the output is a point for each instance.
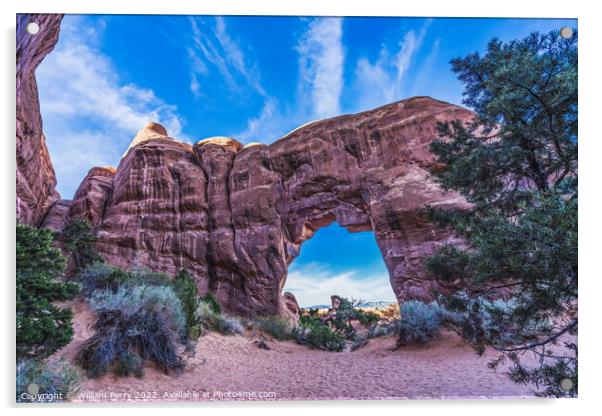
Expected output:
(335, 261)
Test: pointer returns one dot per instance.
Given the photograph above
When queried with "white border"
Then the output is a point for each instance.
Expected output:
(589, 215)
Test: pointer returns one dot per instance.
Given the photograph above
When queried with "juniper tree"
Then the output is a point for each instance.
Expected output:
(42, 327)
(516, 162)
(78, 239)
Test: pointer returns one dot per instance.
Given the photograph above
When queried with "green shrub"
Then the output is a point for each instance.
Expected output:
(381, 330)
(229, 325)
(78, 239)
(367, 317)
(349, 311)
(277, 326)
(144, 276)
(56, 380)
(209, 319)
(419, 322)
(134, 324)
(41, 326)
(309, 319)
(101, 276)
(320, 336)
(210, 299)
(186, 290)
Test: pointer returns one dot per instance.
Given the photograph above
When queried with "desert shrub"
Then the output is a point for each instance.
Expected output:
(309, 319)
(101, 276)
(320, 336)
(41, 326)
(56, 380)
(277, 326)
(143, 276)
(229, 325)
(390, 313)
(210, 299)
(419, 322)
(209, 319)
(381, 329)
(367, 317)
(186, 290)
(134, 324)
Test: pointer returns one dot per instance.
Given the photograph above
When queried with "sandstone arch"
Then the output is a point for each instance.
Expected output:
(236, 216)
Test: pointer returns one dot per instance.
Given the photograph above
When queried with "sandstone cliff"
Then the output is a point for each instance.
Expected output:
(35, 175)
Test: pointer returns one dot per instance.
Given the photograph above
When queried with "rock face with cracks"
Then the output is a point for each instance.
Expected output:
(36, 181)
(236, 216)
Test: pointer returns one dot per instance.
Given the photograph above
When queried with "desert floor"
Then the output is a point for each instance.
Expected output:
(233, 367)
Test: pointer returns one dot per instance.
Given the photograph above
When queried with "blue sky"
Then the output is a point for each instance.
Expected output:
(253, 78)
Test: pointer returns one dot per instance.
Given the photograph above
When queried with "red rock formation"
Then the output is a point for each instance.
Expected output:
(92, 196)
(236, 217)
(57, 216)
(36, 180)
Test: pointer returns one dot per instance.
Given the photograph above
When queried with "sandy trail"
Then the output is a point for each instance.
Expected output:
(226, 367)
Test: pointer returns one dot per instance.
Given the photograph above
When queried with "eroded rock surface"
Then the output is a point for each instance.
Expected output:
(36, 180)
(236, 216)
(57, 216)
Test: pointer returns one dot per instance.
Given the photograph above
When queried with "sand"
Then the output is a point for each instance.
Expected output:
(234, 368)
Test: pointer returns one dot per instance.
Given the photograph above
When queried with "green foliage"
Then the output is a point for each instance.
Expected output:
(419, 323)
(210, 299)
(525, 96)
(319, 335)
(332, 331)
(517, 164)
(348, 311)
(209, 319)
(57, 381)
(134, 324)
(101, 276)
(41, 326)
(277, 326)
(345, 314)
(186, 290)
(141, 315)
(367, 318)
(381, 330)
(78, 239)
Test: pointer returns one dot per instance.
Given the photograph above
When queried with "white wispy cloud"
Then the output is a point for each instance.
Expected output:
(265, 127)
(90, 115)
(321, 60)
(313, 284)
(382, 81)
(213, 47)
